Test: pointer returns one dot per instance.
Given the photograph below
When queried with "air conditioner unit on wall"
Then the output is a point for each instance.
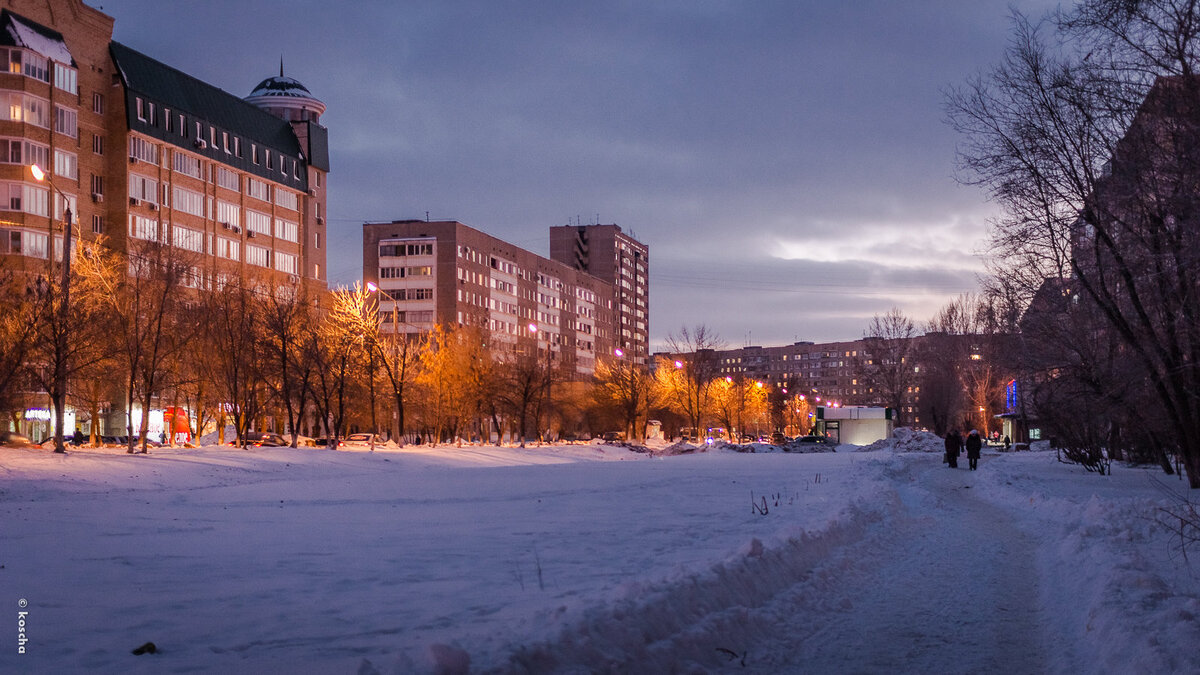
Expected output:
(134, 201)
(133, 160)
(97, 197)
(225, 225)
(250, 234)
(153, 207)
(320, 220)
(201, 143)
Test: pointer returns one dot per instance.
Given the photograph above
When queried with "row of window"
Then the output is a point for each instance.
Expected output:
(176, 123)
(404, 272)
(400, 250)
(149, 229)
(143, 150)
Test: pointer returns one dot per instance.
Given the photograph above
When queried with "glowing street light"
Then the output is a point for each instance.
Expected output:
(60, 346)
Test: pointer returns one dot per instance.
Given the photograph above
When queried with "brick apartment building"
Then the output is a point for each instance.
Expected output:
(146, 153)
(445, 272)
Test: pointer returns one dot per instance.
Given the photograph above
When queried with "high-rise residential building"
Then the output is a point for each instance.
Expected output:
(445, 272)
(606, 252)
(144, 155)
(145, 152)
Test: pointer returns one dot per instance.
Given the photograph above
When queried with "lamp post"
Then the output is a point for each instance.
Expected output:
(60, 335)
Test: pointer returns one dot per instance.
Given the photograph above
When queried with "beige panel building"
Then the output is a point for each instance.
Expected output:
(445, 272)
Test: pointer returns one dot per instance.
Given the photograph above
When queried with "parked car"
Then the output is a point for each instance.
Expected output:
(612, 437)
(260, 439)
(324, 443)
(12, 439)
(813, 440)
(362, 440)
(778, 438)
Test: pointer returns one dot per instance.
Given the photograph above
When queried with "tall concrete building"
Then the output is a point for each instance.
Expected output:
(606, 252)
(445, 272)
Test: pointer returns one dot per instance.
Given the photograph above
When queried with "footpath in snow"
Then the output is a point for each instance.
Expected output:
(589, 558)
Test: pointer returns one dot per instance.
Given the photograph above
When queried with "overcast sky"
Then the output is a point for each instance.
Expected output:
(787, 162)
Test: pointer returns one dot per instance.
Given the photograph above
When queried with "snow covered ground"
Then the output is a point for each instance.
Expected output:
(588, 558)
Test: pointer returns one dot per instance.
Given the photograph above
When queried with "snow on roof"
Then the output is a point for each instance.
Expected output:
(36, 38)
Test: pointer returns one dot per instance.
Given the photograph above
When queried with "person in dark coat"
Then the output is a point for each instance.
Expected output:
(953, 444)
(974, 445)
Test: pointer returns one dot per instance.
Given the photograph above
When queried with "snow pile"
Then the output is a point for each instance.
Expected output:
(905, 439)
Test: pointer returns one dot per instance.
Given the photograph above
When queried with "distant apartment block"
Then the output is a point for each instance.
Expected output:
(607, 252)
(445, 272)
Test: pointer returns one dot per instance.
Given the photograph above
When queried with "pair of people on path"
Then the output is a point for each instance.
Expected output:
(954, 444)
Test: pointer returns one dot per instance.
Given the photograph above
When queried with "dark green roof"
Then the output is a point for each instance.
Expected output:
(183, 93)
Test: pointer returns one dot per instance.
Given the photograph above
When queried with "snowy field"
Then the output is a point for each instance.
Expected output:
(588, 558)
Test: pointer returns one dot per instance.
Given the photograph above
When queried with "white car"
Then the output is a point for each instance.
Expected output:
(362, 440)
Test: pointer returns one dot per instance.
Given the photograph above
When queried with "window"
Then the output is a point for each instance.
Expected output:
(97, 224)
(98, 104)
(188, 201)
(66, 78)
(25, 198)
(230, 214)
(97, 144)
(254, 153)
(316, 240)
(66, 164)
(258, 189)
(66, 121)
(187, 165)
(188, 239)
(228, 179)
(18, 107)
(270, 162)
(143, 228)
(143, 150)
(285, 262)
(143, 189)
(19, 151)
(287, 230)
(237, 146)
(28, 63)
(286, 199)
(97, 184)
(20, 242)
(257, 255)
(225, 141)
(258, 222)
(228, 248)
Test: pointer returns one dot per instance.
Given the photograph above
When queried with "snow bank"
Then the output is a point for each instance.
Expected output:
(1121, 597)
(905, 439)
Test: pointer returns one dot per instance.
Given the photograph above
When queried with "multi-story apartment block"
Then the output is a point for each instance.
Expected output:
(146, 153)
(607, 252)
(444, 272)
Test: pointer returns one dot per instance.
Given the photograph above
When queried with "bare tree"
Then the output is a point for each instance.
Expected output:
(887, 368)
(1091, 143)
(236, 348)
(628, 388)
(687, 378)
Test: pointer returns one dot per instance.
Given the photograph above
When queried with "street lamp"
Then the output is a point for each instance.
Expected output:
(60, 336)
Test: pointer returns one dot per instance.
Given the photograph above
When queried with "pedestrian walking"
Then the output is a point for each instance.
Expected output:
(1007, 442)
(953, 445)
(974, 445)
